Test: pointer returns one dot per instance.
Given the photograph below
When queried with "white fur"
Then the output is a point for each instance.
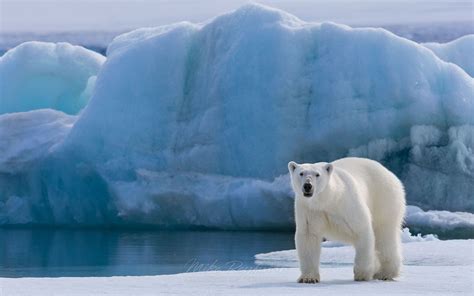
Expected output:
(356, 201)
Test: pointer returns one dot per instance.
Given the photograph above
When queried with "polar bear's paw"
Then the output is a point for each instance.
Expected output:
(385, 275)
(308, 279)
(362, 275)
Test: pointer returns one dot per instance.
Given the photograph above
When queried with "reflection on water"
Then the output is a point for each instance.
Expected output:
(51, 253)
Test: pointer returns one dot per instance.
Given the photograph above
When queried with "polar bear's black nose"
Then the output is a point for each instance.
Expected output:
(307, 187)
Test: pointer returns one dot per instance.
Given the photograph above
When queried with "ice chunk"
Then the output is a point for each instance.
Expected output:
(449, 224)
(36, 75)
(407, 237)
(27, 137)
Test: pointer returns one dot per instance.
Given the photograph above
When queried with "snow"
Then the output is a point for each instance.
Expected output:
(38, 75)
(417, 280)
(458, 52)
(193, 124)
(435, 268)
(417, 250)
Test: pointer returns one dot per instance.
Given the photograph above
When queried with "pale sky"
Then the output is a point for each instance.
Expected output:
(109, 15)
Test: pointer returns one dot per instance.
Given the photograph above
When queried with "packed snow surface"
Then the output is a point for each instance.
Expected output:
(416, 280)
(193, 125)
(434, 268)
(419, 251)
(37, 75)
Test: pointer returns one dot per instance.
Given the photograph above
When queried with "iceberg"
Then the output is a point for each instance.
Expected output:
(192, 125)
(38, 75)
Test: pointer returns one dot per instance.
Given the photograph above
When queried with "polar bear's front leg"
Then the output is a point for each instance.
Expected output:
(364, 264)
(308, 247)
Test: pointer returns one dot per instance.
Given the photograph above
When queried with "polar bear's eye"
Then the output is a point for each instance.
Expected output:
(317, 175)
(301, 174)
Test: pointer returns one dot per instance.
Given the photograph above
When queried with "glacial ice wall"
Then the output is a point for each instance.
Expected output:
(36, 75)
(193, 124)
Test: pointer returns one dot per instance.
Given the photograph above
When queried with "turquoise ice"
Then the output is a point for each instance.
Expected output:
(193, 125)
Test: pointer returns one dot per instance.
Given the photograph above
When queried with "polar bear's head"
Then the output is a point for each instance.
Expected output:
(309, 179)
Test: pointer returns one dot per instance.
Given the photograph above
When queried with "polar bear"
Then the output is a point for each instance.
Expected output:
(353, 200)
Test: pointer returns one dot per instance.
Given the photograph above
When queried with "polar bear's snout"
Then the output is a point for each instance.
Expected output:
(307, 189)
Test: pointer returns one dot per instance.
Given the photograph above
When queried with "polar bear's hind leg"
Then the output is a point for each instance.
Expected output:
(388, 249)
(387, 221)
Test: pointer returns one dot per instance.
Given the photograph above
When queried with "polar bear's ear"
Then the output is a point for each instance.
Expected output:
(292, 166)
(329, 168)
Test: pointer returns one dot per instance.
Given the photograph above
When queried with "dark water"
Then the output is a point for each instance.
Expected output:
(54, 253)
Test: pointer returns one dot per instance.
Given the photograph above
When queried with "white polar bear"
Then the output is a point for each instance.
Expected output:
(353, 200)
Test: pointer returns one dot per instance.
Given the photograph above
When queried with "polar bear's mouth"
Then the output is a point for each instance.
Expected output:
(308, 194)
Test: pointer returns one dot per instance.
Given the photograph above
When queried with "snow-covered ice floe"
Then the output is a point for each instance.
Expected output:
(433, 267)
(192, 125)
(417, 250)
(416, 280)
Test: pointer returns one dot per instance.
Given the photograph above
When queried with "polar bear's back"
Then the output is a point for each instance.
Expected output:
(382, 191)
